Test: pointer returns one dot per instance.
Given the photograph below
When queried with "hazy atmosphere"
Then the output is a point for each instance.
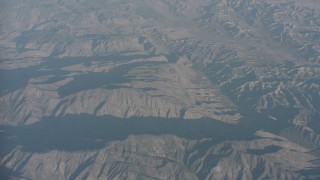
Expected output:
(160, 89)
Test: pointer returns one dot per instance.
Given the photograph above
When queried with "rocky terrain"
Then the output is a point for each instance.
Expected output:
(159, 89)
